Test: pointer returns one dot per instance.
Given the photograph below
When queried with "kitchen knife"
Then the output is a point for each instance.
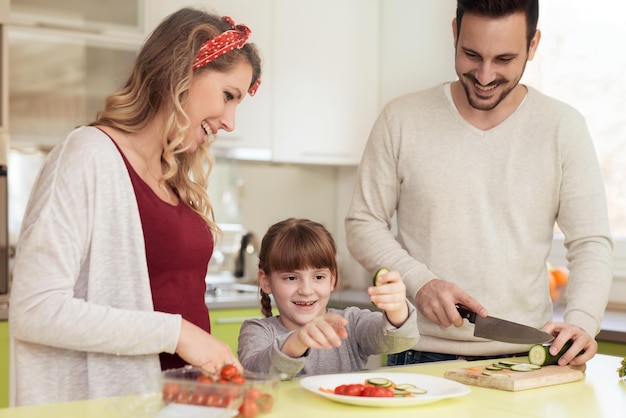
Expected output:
(502, 330)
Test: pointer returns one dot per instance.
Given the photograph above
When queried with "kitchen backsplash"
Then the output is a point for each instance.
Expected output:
(268, 192)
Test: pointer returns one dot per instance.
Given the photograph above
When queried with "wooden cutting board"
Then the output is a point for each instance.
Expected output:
(514, 381)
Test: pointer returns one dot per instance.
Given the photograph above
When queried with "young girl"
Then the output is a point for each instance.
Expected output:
(297, 265)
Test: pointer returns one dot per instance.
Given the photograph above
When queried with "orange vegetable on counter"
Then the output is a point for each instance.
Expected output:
(558, 278)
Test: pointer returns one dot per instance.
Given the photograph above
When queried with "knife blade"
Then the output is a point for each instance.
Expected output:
(502, 330)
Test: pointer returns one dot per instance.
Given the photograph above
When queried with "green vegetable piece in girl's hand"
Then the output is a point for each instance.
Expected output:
(379, 272)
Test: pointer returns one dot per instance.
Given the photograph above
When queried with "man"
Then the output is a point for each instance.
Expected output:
(477, 172)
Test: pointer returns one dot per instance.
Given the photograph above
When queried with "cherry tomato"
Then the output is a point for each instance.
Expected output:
(364, 390)
(248, 408)
(265, 402)
(253, 393)
(341, 390)
(198, 398)
(238, 379)
(228, 371)
(182, 396)
(368, 391)
(354, 389)
(232, 391)
(204, 379)
(214, 400)
(170, 391)
(379, 392)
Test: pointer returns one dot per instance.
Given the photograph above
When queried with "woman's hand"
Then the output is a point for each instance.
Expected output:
(390, 296)
(201, 349)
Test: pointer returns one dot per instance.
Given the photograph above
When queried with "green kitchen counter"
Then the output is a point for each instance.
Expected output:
(600, 395)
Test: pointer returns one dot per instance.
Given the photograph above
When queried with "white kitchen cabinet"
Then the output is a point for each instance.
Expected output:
(91, 16)
(252, 136)
(329, 66)
(64, 58)
(319, 94)
(417, 45)
(49, 97)
(326, 68)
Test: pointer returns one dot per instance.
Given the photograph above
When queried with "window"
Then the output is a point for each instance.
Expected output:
(580, 61)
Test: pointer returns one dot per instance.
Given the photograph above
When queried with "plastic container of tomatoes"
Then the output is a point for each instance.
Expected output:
(228, 394)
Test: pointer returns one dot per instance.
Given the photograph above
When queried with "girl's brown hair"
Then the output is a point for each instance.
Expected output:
(296, 244)
(159, 82)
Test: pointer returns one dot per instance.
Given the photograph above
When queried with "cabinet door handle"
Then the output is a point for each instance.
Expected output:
(234, 320)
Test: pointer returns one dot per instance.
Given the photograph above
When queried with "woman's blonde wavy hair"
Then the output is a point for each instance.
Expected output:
(160, 80)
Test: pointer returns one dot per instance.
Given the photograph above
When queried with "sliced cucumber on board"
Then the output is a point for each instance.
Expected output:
(525, 367)
(539, 354)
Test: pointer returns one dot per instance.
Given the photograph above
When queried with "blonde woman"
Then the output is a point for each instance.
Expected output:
(108, 284)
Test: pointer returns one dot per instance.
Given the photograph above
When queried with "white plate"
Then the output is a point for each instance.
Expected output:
(437, 388)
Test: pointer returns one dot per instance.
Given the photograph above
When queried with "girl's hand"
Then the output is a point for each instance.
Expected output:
(325, 331)
(390, 296)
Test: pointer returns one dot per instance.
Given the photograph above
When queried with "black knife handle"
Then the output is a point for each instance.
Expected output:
(466, 313)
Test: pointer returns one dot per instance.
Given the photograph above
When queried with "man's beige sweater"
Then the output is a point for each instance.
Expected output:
(478, 208)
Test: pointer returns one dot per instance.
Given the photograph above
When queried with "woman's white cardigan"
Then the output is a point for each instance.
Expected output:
(81, 315)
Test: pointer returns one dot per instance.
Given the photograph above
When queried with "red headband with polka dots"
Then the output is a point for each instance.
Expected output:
(223, 43)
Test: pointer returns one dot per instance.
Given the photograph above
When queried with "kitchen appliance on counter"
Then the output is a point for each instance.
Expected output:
(247, 261)
(235, 255)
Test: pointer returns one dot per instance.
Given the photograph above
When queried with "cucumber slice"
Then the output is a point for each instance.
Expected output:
(508, 363)
(494, 367)
(416, 391)
(380, 382)
(495, 374)
(525, 367)
(379, 272)
(405, 389)
(405, 386)
(539, 354)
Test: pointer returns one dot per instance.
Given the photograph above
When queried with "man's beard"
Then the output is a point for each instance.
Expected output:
(469, 78)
